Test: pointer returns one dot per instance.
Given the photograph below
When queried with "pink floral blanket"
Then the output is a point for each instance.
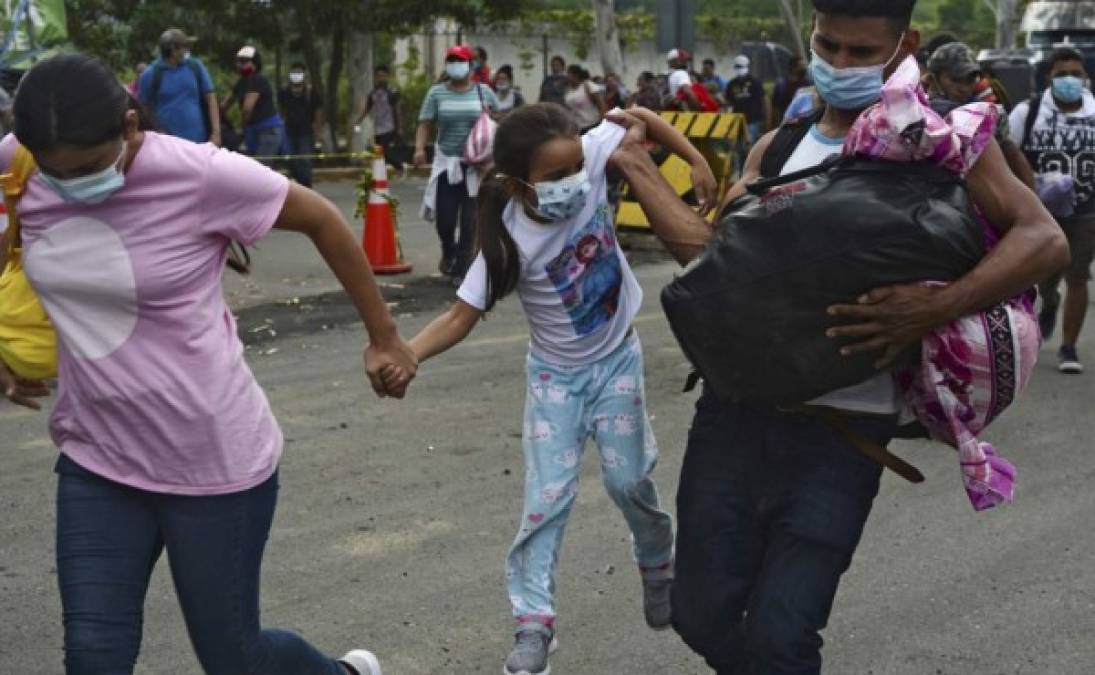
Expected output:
(973, 368)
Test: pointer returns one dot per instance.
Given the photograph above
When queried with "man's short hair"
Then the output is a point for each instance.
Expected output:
(298, 66)
(1065, 54)
(382, 68)
(898, 12)
(709, 62)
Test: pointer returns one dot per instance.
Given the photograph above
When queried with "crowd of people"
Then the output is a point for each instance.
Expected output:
(167, 440)
(178, 92)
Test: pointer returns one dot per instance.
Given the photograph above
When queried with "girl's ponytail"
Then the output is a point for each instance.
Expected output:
(495, 242)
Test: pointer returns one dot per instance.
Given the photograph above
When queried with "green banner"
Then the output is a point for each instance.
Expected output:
(40, 27)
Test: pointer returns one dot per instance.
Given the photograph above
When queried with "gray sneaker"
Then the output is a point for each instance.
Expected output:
(1068, 362)
(530, 653)
(656, 605)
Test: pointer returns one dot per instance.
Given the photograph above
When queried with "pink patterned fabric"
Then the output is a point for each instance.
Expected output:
(975, 367)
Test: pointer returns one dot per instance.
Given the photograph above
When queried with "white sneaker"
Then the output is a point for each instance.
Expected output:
(362, 661)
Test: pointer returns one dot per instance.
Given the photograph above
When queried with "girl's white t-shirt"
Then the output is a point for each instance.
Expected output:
(577, 289)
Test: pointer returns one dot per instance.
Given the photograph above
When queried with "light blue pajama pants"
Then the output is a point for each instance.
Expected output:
(565, 406)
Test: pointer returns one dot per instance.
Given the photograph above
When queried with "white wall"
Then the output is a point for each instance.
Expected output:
(526, 54)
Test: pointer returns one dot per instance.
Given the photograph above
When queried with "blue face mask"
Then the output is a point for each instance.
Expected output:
(1068, 88)
(563, 199)
(91, 189)
(849, 88)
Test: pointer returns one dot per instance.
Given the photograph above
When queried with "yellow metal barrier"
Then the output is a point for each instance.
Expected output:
(717, 135)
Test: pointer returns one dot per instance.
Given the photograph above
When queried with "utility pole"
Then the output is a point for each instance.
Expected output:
(676, 25)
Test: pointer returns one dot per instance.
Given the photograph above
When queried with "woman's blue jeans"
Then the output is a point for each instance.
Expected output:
(109, 537)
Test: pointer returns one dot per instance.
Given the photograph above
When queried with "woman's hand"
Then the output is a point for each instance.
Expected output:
(419, 158)
(391, 367)
(21, 391)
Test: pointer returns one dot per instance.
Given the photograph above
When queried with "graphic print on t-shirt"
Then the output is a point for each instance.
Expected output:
(1068, 146)
(588, 275)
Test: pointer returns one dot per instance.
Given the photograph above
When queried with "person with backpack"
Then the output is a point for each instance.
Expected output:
(1056, 131)
(954, 78)
(772, 502)
(453, 107)
(178, 91)
(685, 93)
(167, 441)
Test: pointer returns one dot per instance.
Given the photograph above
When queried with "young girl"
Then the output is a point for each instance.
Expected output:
(167, 441)
(546, 232)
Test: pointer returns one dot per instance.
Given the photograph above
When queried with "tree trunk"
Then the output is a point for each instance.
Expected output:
(608, 37)
(314, 62)
(793, 26)
(334, 75)
(1006, 23)
(359, 70)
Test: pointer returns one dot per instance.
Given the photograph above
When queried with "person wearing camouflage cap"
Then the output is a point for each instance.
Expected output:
(955, 78)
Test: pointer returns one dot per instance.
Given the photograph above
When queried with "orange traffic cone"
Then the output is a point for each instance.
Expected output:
(380, 240)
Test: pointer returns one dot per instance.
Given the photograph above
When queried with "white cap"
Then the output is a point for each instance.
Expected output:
(741, 61)
(246, 52)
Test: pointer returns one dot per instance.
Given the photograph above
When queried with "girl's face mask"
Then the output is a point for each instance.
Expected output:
(564, 198)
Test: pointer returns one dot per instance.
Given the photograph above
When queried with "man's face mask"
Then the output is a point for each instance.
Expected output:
(1068, 88)
(850, 88)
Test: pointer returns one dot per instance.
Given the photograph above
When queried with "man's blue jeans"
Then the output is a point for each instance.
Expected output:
(109, 537)
(771, 507)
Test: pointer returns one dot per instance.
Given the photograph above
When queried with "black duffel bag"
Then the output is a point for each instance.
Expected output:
(750, 311)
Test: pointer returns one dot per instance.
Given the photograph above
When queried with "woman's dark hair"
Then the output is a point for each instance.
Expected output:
(578, 72)
(73, 100)
(506, 70)
(518, 137)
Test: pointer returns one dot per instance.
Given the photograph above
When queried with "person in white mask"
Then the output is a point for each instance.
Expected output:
(1056, 131)
(301, 107)
(452, 106)
(772, 504)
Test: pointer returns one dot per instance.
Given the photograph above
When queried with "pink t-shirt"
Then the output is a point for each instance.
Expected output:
(154, 391)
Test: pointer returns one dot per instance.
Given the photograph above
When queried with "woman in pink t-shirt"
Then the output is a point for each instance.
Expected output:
(166, 439)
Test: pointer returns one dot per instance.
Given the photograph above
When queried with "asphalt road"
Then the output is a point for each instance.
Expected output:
(395, 517)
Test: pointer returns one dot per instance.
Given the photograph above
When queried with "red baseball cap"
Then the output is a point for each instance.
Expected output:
(462, 52)
(680, 55)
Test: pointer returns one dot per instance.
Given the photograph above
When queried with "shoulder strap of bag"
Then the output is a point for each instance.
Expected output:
(1035, 104)
(482, 103)
(14, 183)
(765, 184)
(154, 88)
(785, 142)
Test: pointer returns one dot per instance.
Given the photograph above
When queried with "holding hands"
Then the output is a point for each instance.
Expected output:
(390, 366)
